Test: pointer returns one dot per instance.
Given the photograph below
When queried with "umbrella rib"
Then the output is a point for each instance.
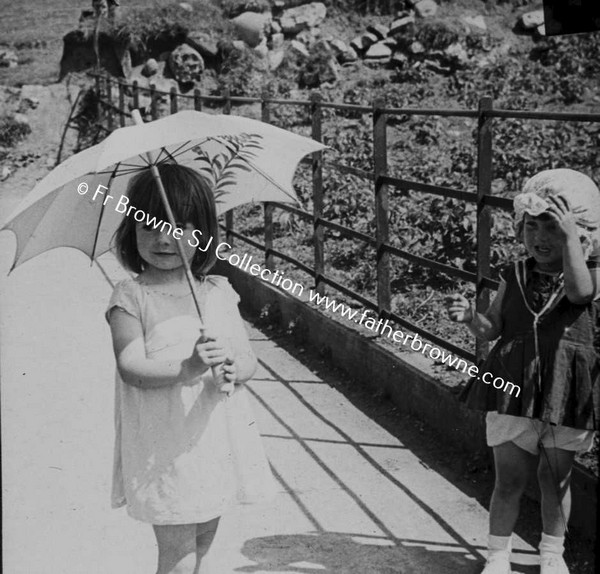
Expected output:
(257, 169)
(97, 234)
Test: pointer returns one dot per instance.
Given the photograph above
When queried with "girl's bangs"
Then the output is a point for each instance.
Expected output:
(147, 198)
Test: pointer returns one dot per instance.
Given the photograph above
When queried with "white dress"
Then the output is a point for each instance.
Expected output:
(184, 453)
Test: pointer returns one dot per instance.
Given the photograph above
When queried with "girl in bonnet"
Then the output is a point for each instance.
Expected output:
(544, 314)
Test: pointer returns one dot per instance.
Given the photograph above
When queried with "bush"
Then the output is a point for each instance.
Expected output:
(151, 30)
(12, 131)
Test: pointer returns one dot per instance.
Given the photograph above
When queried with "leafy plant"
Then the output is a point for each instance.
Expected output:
(12, 131)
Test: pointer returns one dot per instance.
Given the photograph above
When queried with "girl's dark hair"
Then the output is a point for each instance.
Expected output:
(192, 201)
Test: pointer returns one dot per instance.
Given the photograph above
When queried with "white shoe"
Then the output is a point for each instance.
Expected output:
(553, 564)
(498, 563)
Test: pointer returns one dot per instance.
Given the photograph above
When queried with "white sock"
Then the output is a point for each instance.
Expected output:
(552, 544)
(499, 544)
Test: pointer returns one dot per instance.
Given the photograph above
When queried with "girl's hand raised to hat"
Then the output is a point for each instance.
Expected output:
(560, 210)
(459, 308)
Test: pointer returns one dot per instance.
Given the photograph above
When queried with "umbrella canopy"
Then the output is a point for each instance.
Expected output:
(82, 201)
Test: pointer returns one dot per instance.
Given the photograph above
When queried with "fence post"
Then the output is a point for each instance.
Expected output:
(121, 102)
(484, 220)
(136, 95)
(381, 206)
(197, 100)
(227, 101)
(109, 104)
(173, 100)
(229, 213)
(153, 102)
(99, 96)
(316, 112)
(265, 116)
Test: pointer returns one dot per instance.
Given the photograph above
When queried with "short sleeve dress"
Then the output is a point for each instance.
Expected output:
(185, 452)
(548, 348)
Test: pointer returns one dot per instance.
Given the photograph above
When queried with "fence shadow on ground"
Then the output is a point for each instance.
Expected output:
(371, 504)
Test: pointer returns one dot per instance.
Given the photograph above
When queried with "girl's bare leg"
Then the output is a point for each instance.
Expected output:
(205, 534)
(176, 548)
(554, 477)
(512, 465)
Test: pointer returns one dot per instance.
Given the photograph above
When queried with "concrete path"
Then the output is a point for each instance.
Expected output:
(352, 498)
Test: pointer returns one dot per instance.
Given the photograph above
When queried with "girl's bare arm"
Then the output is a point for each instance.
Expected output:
(581, 283)
(135, 368)
(486, 325)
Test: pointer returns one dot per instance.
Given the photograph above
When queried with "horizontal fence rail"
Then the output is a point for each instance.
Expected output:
(112, 110)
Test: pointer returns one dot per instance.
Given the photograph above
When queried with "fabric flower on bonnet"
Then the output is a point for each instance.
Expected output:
(578, 189)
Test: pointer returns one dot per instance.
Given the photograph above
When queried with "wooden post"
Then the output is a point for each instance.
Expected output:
(265, 116)
(316, 112)
(197, 100)
(381, 206)
(109, 104)
(153, 102)
(121, 103)
(227, 101)
(136, 95)
(173, 100)
(484, 219)
(99, 96)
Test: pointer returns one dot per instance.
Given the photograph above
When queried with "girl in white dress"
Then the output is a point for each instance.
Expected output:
(185, 450)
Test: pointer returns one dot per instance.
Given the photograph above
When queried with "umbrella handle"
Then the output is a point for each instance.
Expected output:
(217, 370)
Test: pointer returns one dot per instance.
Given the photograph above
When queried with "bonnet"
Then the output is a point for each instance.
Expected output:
(579, 190)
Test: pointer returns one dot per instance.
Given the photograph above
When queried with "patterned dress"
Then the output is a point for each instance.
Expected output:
(548, 348)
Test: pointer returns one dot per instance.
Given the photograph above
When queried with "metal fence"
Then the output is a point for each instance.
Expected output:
(112, 111)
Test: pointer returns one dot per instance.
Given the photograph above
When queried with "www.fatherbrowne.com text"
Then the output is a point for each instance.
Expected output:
(379, 326)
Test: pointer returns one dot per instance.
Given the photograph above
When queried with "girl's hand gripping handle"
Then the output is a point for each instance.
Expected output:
(210, 352)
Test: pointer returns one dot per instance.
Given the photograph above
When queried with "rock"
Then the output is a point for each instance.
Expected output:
(457, 54)
(204, 44)
(252, 26)
(426, 8)
(276, 27)
(361, 43)
(20, 119)
(6, 173)
(239, 45)
(299, 48)
(185, 6)
(349, 56)
(277, 41)
(338, 46)
(401, 25)
(150, 68)
(399, 59)
(293, 20)
(541, 30)
(262, 50)
(186, 64)
(8, 59)
(28, 103)
(476, 22)
(309, 36)
(276, 57)
(379, 30)
(391, 42)
(531, 20)
(379, 52)
(417, 48)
